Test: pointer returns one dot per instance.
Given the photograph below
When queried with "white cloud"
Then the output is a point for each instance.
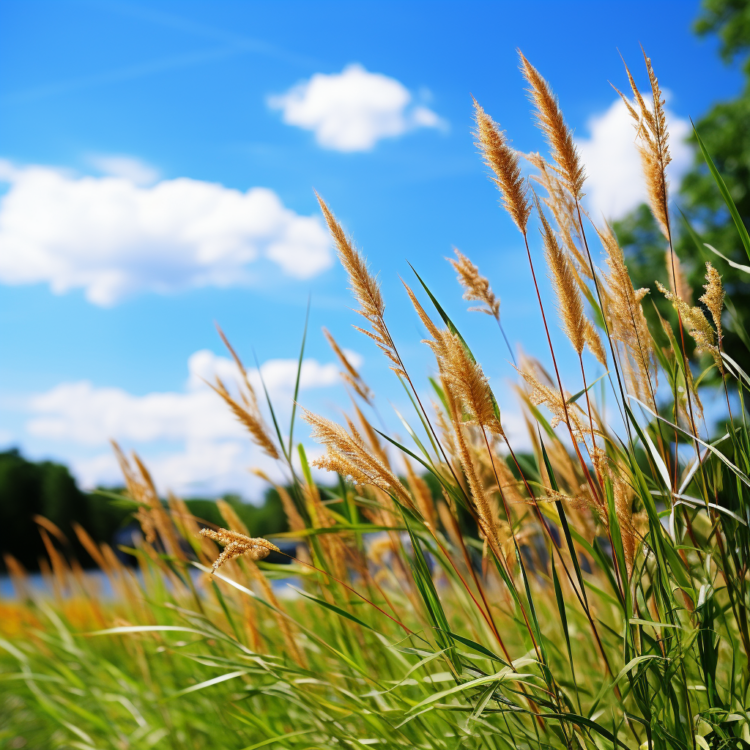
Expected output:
(216, 450)
(614, 185)
(84, 413)
(113, 238)
(127, 167)
(354, 109)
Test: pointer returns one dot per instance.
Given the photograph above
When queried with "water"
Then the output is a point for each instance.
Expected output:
(41, 586)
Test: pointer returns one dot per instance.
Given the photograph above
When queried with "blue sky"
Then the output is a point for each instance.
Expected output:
(157, 166)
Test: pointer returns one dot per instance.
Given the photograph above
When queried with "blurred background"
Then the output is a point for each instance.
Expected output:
(158, 163)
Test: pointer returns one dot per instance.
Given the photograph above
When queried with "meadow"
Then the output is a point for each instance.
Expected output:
(450, 592)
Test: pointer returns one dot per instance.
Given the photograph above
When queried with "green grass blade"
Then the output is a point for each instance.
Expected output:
(296, 382)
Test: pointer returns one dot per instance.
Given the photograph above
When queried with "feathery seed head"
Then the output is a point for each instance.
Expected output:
(627, 323)
(697, 325)
(348, 455)
(350, 374)
(558, 134)
(503, 161)
(652, 135)
(713, 298)
(569, 302)
(364, 287)
(249, 416)
(236, 545)
(476, 287)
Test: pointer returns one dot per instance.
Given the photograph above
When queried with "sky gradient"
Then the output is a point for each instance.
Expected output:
(157, 169)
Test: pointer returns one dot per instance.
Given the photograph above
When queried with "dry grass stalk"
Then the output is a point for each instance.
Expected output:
(694, 319)
(482, 506)
(348, 455)
(365, 288)
(569, 302)
(236, 545)
(685, 410)
(249, 416)
(627, 323)
(678, 282)
(461, 373)
(152, 516)
(558, 134)
(90, 546)
(652, 136)
(464, 377)
(539, 394)
(350, 375)
(594, 343)
(476, 287)
(564, 211)
(372, 436)
(503, 161)
(293, 517)
(424, 501)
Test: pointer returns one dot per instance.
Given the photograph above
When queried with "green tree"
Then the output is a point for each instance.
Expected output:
(725, 129)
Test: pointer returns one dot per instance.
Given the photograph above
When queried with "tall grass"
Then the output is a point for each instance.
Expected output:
(590, 593)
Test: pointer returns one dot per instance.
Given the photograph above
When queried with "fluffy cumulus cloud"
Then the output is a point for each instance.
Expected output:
(113, 237)
(614, 185)
(354, 109)
(215, 450)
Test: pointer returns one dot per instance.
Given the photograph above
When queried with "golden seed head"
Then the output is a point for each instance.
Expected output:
(236, 545)
(503, 161)
(552, 123)
(476, 287)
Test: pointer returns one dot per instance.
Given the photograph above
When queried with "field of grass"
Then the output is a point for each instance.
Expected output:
(447, 593)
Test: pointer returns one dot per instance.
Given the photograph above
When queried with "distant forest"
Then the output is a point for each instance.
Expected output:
(29, 489)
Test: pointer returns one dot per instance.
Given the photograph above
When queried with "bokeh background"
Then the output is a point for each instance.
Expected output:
(157, 168)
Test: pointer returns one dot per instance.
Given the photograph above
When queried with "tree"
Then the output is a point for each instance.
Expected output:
(725, 130)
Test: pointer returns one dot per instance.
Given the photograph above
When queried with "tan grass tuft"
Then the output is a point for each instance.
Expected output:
(558, 134)
(487, 519)
(503, 161)
(569, 302)
(348, 455)
(476, 287)
(364, 287)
